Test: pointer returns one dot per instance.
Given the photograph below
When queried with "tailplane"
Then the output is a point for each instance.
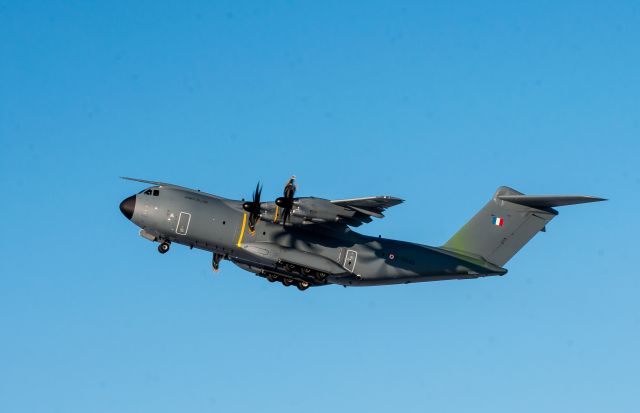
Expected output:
(500, 229)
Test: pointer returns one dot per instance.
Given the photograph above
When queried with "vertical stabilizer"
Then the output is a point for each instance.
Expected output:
(507, 222)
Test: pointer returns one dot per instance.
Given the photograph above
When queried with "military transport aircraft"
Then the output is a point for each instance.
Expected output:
(308, 241)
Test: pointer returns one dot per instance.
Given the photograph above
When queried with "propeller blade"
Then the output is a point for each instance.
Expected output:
(253, 207)
(286, 202)
(290, 187)
(257, 193)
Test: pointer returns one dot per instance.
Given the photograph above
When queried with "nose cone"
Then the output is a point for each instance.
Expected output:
(127, 206)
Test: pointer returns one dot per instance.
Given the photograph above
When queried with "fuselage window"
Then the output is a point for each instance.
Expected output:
(147, 192)
(156, 192)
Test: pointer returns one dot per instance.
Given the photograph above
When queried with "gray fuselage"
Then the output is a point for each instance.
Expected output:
(340, 255)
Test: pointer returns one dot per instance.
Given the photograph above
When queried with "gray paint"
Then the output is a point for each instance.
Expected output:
(319, 248)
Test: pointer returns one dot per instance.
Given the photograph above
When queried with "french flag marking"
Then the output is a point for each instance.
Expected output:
(497, 221)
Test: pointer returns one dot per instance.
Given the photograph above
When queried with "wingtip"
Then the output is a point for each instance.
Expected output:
(598, 199)
(394, 198)
(589, 198)
(128, 178)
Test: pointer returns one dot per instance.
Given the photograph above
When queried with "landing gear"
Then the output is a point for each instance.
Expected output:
(287, 282)
(215, 262)
(164, 247)
(307, 273)
(291, 274)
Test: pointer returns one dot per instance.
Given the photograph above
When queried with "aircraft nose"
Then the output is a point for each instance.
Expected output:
(127, 206)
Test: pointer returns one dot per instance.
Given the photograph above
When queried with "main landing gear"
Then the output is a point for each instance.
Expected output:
(301, 284)
(287, 282)
(317, 276)
(164, 247)
(293, 274)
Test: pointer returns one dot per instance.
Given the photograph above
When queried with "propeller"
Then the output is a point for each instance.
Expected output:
(286, 202)
(253, 208)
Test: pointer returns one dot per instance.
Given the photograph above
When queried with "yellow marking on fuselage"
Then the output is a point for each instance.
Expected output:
(244, 225)
(275, 219)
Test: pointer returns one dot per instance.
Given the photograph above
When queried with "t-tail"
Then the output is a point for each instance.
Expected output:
(500, 229)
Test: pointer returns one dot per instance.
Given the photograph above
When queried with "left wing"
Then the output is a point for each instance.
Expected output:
(370, 205)
(352, 212)
(166, 184)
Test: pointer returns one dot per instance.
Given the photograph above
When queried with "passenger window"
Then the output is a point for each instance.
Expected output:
(147, 192)
(156, 192)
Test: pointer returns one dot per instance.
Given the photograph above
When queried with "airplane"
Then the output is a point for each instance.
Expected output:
(308, 242)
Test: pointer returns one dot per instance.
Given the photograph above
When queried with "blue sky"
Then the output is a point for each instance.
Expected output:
(437, 103)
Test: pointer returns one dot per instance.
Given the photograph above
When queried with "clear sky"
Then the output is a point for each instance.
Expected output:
(435, 102)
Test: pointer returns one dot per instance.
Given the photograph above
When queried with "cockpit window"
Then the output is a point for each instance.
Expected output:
(154, 192)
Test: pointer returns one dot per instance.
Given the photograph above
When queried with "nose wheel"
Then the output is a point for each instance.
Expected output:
(164, 247)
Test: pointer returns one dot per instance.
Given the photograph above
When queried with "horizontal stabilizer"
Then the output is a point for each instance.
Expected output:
(549, 201)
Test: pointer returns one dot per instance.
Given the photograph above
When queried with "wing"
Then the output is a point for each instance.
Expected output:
(370, 205)
(144, 181)
(166, 184)
(336, 214)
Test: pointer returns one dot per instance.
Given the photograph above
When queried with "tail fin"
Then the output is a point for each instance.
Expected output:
(507, 223)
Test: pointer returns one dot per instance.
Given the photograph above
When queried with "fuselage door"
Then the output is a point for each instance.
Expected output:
(183, 223)
(350, 260)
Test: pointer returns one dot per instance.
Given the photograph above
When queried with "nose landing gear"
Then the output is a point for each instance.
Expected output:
(164, 247)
